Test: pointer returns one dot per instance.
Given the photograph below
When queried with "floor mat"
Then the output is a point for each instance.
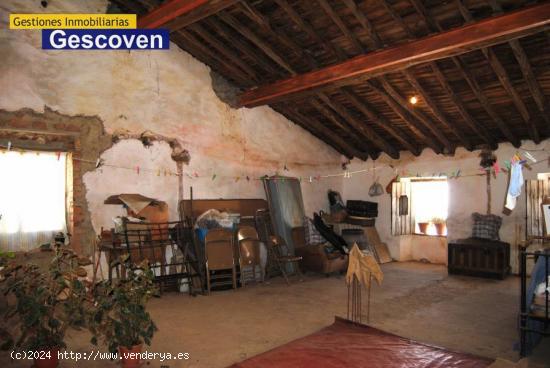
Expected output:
(348, 344)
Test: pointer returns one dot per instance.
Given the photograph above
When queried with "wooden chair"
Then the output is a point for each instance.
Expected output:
(283, 256)
(219, 257)
(249, 252)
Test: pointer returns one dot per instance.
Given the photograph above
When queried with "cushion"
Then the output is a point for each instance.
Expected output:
(486, 226)
(313, 236)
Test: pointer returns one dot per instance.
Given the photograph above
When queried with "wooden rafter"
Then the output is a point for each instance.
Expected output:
(209, 57)
(341, 25)
(220, 47)
(453, 42)
(360, 126)
(476, 127)
(417, 114)
(177, 14)
(503, 76)
(436, 110)
(308, 29)
(325, 133)
(407, 118)
(379, 120)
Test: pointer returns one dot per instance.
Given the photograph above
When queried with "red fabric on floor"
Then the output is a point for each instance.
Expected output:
(348, 344)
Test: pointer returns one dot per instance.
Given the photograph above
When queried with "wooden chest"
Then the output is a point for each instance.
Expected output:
(479, 257)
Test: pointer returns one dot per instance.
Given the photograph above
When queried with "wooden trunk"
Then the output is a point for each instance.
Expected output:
(479, 257)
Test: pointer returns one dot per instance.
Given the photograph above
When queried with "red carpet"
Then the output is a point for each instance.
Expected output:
(348, 344)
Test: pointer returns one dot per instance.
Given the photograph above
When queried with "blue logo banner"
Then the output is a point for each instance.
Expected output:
(105, 39)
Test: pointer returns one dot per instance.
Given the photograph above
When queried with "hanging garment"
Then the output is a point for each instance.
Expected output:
(363, 266)
(514, 187)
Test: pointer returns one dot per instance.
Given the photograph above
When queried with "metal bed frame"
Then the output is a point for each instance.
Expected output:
(525, 312)
(149, 241)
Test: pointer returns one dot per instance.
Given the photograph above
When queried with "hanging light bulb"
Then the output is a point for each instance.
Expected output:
(413, 100)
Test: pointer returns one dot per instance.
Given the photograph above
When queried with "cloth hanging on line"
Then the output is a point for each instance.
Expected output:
(515, 185)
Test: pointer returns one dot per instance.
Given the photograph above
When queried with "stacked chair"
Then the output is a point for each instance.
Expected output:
(220, 257)
(249, 253)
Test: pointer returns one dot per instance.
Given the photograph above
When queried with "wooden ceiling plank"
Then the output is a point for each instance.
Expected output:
(168, 11)
(365, 23)
(379, 120)
(360, 126)
(188, 40)
(474, 86)
(203, 12)
(329, 135)
(502, 74)
(438, 113)
(406, 117)
(534, 87)
(445, 44)
(417, 114)
(457, 101)
(308, 28)
(242, 46)
(338, 121)
(178, 14)
(475, 126)
(221, 47)
(341, 25)
(277, 34)
(467, 73)
(246, 32)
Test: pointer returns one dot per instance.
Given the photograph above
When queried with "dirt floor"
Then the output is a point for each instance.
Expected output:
(416, 300)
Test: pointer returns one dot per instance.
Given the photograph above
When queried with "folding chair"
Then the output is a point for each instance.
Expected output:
(249, 252)
(283, 257)
(220, 257)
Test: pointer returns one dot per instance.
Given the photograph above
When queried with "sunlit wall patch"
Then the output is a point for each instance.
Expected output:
(105, 39)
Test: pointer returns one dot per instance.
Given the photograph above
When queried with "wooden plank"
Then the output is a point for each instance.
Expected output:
(341, 25)
(361, 127)
(476, 127)
(453, 42)
(436, 110)
(407, 118)
(168, 11)
(417, 114)
(329, 135)
(200, 13)
(379, 120)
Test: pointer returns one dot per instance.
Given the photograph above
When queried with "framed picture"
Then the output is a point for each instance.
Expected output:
(546, 215)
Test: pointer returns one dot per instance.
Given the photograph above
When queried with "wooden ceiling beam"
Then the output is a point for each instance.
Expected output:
(474, 86)
(308, 29)
(379, 120)
(453, 42)
(438, 113)
(233, 38)
(177, 14)
(364, 22)
(225, 51)
(262, 45)
(457, 101)
(502, 74)
(417, 114)
(361, 127)
(283, 39)
(407, 118)
(341, 25)
(189, 41)
(336, 120)
(475, 126)
(327, 134)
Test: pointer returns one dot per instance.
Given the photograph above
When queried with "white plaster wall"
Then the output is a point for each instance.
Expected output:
(170, 93)
(467, 195)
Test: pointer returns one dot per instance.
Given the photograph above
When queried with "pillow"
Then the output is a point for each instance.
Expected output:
(313, 236)
(486, 226)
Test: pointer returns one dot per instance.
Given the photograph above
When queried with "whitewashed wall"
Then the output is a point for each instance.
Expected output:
(169, 93)
(467, 195)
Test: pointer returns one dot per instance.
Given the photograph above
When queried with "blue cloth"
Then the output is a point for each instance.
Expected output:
(516, 180)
